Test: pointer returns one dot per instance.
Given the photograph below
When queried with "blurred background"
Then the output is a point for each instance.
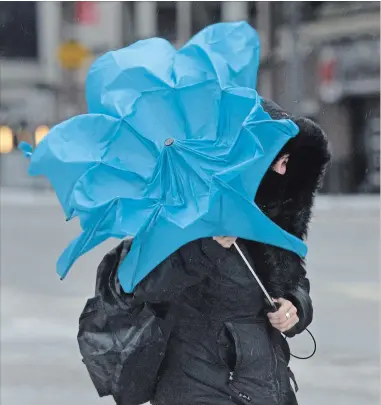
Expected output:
(318, 59)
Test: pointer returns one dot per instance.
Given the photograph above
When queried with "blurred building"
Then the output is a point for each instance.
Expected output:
(320, 59)
(337, 61)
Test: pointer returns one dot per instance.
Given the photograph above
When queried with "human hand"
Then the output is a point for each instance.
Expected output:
(285, 318)
(225, 241)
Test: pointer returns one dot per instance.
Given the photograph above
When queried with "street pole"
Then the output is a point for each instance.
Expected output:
(184, 21)
(234, 10)
(66, 82)
(266, 31)
(295, 63)
(145, 19)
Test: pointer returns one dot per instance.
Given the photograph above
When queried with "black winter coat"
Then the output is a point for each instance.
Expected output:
(222, 349)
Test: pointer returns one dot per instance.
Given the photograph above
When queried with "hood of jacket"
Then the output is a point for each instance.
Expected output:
(288, 199)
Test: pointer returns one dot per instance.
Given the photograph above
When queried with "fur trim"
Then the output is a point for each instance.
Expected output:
(280, 269)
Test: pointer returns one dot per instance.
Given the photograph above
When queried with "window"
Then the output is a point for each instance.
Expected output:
(18, 29)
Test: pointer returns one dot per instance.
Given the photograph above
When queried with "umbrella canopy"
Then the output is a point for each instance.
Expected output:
(173, 148)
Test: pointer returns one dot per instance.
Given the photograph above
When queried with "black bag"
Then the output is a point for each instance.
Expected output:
(122, 341)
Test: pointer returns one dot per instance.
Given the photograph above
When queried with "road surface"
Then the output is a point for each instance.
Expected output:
(40, 362)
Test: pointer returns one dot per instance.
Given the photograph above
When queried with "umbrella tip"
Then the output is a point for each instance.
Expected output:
(169, 142)
(26, 149)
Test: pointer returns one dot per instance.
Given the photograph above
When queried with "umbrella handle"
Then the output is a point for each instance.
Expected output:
(274, 305)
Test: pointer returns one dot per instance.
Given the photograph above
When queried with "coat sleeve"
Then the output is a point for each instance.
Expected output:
(300, 297)
(186, 267)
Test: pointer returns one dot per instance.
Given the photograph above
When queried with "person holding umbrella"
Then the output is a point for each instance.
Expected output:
(224, 343)
(177, 149)
(226, 347)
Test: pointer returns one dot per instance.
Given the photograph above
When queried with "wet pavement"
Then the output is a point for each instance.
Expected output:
(40, 361)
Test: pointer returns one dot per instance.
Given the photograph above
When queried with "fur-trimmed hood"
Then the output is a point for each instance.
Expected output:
(309, 157)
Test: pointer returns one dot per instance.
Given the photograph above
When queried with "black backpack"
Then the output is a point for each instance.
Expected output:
(122, 341)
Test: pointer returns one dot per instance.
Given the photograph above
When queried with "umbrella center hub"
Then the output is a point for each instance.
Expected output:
(169, 142)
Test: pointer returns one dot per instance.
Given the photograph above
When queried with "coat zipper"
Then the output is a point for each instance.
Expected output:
(233, 387)
(242, 395)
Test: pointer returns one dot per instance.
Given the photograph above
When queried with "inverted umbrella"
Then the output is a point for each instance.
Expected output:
(173, 149)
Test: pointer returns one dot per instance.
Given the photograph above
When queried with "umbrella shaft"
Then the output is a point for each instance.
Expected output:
(267, 295)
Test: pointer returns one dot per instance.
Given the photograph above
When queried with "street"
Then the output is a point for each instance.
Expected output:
(40, 361)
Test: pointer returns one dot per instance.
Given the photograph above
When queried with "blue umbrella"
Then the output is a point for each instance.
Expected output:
(173, 148)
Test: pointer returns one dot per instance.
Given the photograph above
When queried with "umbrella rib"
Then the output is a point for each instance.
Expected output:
(142, 138)
(151, 217)
(202, 154)
(111, 139)
(179, 106)
(191, 167)
(267, 295)
(116, 169)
